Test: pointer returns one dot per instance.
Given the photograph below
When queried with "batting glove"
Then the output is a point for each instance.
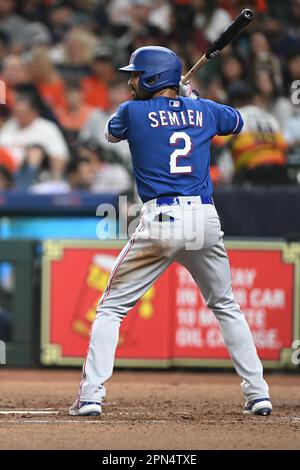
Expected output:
(185, 89)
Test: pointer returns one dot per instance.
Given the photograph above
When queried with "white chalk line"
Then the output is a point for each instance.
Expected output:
(56, 412)
(29, 412)
(286, 418)
(62, 412)
(72, 421)
(30, 409)
(76, 419)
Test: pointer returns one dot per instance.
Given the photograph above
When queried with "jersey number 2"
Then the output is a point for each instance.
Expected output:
(179, 153)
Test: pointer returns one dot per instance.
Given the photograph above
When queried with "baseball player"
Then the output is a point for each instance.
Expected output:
(169, 137)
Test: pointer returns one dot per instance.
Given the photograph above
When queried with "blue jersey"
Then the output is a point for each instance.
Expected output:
(169, 140)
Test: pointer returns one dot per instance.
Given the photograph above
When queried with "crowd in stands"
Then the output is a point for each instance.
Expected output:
(59, 61)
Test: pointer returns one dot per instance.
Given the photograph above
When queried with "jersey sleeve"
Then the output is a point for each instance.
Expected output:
(118, 124)
(228, 120)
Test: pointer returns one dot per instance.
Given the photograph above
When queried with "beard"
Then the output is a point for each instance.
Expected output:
(140, 94)
(134, 95)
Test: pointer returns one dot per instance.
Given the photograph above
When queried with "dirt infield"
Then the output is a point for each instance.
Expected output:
(146, 410)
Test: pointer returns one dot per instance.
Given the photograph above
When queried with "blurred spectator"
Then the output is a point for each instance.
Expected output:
(233, 69)
(14, 73)
(35, 167)
(259, 151)
(210, 19)
(216, 92)
(44, 43)
(74, 114)
(36, 34)
(60, 20)
(6, 179)
(83, 11)
(32, 10)
(118, 93)
(107, 177)
(118, 12)
(292, 136)
(80, 173)
(4, 45)
(292, 69)
(139, 13)
(160, 15)
(21, 33)
(100, 19)
(133, 14)
(95, 86)
(182, 22)
(95, 126)
(4, 114)
(148, 35)
(31, 90)
(46, 78)
(268, 96)
(12, 25)
(293, 27)
(26, 127)
(73, 56)
(263, 57)
(135, 29)
(294, 65)
(275, 30)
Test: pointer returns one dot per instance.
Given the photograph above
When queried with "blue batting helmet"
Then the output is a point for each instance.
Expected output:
(160, 67)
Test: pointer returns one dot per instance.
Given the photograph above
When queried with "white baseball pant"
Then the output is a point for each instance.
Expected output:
(190, 233)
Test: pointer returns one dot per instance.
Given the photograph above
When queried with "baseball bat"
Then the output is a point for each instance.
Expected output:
(230, 33)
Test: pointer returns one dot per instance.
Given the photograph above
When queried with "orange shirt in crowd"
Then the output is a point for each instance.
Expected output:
(73, 121)
(53, 93)
(215, 174)
(95, 93)
(260, 141)
(7, 160)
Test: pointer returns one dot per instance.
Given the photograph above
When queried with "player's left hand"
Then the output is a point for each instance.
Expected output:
(185, 89)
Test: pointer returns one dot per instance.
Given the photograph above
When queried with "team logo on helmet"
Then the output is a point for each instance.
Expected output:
(132, 58)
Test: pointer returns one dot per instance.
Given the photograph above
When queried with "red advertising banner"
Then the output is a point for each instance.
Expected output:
(263, 286)
(171, 323)
(76, 278)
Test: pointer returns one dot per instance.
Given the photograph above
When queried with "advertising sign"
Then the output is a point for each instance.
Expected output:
(171, 324)
(75, 275)
(263, 285)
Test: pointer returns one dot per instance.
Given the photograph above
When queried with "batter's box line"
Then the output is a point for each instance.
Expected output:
(52, 411)
(77, 421)
(30, 412)
(30, 409)
(286, 418)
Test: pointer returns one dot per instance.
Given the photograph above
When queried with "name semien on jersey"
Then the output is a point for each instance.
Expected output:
(169, 140)
(188, 117)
